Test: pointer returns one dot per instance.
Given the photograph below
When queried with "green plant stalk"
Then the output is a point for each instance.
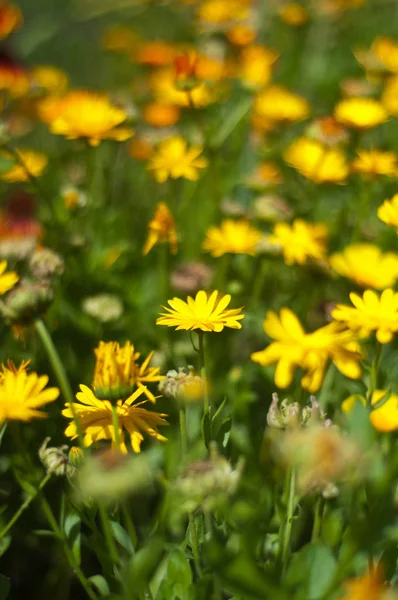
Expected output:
(195, 544)
(68, 551)
(318, 516)
(59, 371)
(203, 373)
(24, 506)
(222, 272)
(107, 529)
(287, 526)
(183, 431)
(374, 371)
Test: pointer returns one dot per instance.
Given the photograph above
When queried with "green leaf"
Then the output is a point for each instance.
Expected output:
(5, 544)
(100, 584)
(122, 537)
(312, 569)
(5, 587)
(3, 427)
(72, 526)
(6, 164)
(179, 569)
(206, 427)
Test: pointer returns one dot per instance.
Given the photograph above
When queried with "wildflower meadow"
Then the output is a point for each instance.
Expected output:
(198, 299)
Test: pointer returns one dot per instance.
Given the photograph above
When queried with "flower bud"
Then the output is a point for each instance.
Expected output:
(184, 384)
(46, 263)
(76, 456)
(55, 460)
(28, 301)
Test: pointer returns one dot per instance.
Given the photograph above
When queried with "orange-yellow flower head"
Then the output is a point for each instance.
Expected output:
(255, 66)
(14, 78)
(367, 265)
(221, 12)
(166, 91)
(117, 371)
(10, 18)
(388, 211)
(8, 279)
(386, 51)
(235, 237)
(371, 313)
(162, 228)
(300, 241)
(161, 115)
(87, 115)
(316, 161)
(49, 79)
(29, 164)
(22, 394)
(293, 14)
(206, 313)
(294, 348)
(360, 113)
(96, 420)
(375, 162)
(173, 158)
(278, 104)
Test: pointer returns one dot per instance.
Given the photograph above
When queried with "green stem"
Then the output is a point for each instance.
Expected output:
(374, 371)
(183, 432)
(107, 529)
(195, 544)
(201, 352)
(59, 372)
(128, 521)
(287, 528)
(318, 516)
(68, 551)
(222, 272)
(258, 284)
(24, 506)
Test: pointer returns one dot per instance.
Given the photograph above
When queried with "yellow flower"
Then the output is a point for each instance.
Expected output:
(300, 241)
(10, 18)
(203, 312)
(7, 280)
(117, 371)
(255, 68)
(33, 163)
(163, 85)
(278, 104)
(367, 587)
(241, 34)
(22, 393)
(386, 50)
(388, 211)
(371, 313)
(174, 159)
(162, 228)
(50, 79)
(375, 162)
(293, 14)
(367, 265)
(160, 115)
(384, 417)
(316, 161)
(389, 97)
(84, 114)
(360, 113)
(223, 11)
(96, 420)
(236, 237)
(311, 351)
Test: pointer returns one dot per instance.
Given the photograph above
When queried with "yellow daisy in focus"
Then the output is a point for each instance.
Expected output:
(300, 241)
(388, 211)
(117, 371)
(367, 265)
(207, 313)
(317, 162)
(8, 279)
(29, 163)
(294, 348)
(22, 393)
(278, 104)
(96, 420)
(88, 115)
(174, 159)
(375, 162)
(162, 228)
(360, 113)
(235, 237)
(384, 417)
(371, 313)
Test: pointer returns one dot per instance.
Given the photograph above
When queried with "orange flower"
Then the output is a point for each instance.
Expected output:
(160, 115)
(10, 19)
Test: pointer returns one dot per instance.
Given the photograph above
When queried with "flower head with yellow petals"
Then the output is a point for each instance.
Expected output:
(278, 104)
(27, 164)
(360, 113)
(300, 241)
(375, 162)
(316, 161)
(367, 265)
(388, 211)
(173, 158)
(162, 228)
(206, 313)
(8, 279)
(235, 237)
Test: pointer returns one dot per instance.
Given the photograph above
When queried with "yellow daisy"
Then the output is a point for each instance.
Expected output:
(7, 279)
(360, 113)
(203, 312)
(316, 161)
(174, 159)
(293, 348)
(22, 393)
(388, 211)
(235, 237)
(375, 162)
(96, 420)
(162, 228)
(300, 241)
(367, 265)
(371, 313)
(278, 104)
(29, 163)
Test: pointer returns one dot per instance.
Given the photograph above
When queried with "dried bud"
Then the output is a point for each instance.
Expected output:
(46, 263)
(15, 248)
(28, 301)
(104, 307)
(291, 414)
(55, 460)
(191, 277)
(184, 384)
